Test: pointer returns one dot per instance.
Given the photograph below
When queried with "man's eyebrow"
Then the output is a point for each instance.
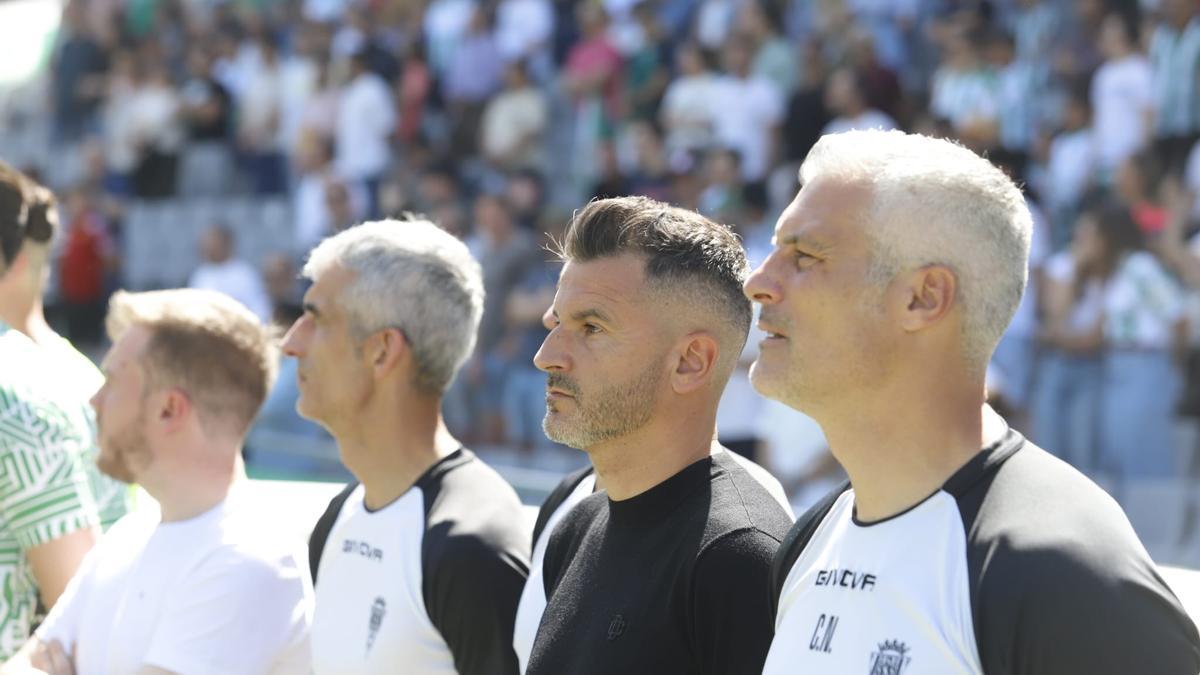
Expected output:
(590, 313)
(802, 242)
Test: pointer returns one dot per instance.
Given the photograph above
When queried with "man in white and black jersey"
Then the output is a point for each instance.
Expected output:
(664, 569)
(957, 546)
(418, 569)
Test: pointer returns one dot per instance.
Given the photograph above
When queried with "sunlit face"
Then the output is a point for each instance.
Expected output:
(121, 405)
(605, 355)
(332, 378)
(824, 315)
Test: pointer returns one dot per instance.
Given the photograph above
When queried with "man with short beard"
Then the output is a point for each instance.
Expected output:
(199, 585)
(664, 570)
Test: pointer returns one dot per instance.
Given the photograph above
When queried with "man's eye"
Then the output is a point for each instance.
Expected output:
(803, 259)
(591, 328)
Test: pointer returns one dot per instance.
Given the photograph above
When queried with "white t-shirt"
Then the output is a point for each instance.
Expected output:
(743, 112)
(1121, 93)
(510, 118)
(1070, 167)
(261, 106)
(364, 124)
(239, 280)
(522, 25)
(214, 594)
(686, 112)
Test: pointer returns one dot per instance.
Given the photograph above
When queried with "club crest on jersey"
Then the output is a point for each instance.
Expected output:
(616, 627)
(891, 659)
(378, 609)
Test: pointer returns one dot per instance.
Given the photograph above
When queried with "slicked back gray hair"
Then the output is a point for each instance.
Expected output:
(415, 277)
(934, 202)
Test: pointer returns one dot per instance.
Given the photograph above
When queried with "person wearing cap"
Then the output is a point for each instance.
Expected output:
(53, 500)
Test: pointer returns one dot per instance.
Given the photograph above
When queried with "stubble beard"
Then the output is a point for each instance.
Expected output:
(611, 412)
(124, 447)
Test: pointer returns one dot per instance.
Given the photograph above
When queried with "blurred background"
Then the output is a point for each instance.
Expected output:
(211, 143)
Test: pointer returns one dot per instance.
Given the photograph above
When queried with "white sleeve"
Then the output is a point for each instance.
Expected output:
(237, 614)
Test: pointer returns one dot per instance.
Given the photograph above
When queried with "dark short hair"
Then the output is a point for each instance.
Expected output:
(682, 248)
(25, 208)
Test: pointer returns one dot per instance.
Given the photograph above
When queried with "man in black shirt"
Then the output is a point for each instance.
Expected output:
(665, 570)
(957, 546)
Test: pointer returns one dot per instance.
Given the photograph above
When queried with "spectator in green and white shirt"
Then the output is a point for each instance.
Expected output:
(53, 500)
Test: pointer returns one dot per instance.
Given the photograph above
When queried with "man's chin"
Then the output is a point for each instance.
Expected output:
(560, 433)
(305, 411)
(115, 469)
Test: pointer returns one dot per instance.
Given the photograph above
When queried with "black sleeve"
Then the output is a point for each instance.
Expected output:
(472, 602)
(557, 496)
(320, 532)
(1060, 613)
(731, 623)
(793, 544)
(1060, 583)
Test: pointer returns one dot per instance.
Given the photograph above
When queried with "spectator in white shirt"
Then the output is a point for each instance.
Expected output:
(685, 113)
(514, 122)
(366, 119)
(260, 132)
(311, 204)
(746, 111)
(523, 29)
(1070, 166)
(154, 115)
(224, 273)
(1122, 95)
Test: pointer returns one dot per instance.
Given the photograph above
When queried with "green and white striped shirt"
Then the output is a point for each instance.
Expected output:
(49, 483)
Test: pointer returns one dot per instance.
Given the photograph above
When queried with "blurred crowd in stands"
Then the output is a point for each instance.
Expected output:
(497, 117)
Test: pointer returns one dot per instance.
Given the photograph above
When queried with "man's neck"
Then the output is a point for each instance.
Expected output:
(391, 450)
(635, 463)
(23, 313)
(196, 488)
(899, 448)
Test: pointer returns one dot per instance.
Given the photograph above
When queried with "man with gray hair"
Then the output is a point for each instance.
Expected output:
(957, 546)
(421, 565)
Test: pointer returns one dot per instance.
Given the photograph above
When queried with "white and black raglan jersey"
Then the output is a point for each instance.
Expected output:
(425, 585)
(673, 580)
(1019, 565)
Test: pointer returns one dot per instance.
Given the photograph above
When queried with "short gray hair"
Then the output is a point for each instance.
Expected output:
(934, 202)
(415, 277)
